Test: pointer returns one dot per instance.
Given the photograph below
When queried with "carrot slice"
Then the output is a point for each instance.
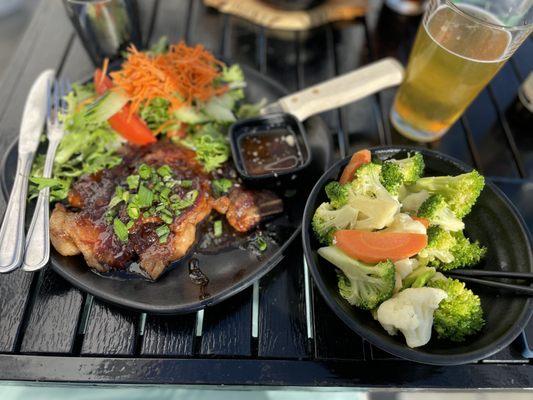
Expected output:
(359, 158)
(423, 221)
(373, 247)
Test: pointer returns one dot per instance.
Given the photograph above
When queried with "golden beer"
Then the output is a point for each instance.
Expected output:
(452, 60)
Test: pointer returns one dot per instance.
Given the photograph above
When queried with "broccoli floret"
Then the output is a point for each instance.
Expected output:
(327, 220)
(362, 285)
(418, 278)
(391, 177)
(439, 248)
(411, 168)
(465, 252)
(367, 180)
(460, 314)
(460, 192)
(436, 210)
(449, 250)
(367, 195)
(337, 194)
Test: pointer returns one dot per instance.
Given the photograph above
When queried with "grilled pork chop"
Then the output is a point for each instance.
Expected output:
(82, 227)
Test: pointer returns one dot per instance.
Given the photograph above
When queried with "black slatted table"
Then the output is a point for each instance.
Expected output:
(280, 332)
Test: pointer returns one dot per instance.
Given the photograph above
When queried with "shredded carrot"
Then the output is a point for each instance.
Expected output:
(164, 125)
(182, 75)
(105, 66)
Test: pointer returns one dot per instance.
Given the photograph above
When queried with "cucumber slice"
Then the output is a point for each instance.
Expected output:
(189, 115)
(107, 105)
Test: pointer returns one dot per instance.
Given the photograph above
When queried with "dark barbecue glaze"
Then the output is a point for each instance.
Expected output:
(82, 226)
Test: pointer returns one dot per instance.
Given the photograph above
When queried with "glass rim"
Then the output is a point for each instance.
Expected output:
(488, 23)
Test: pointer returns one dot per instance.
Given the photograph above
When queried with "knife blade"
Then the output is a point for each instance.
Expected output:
(34, 113)
(33, 117)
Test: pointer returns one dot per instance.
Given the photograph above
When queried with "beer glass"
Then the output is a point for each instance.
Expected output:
(459, 47)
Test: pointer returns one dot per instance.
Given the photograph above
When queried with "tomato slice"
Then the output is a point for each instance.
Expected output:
(373, 247)
(128, 125)
(359, 158)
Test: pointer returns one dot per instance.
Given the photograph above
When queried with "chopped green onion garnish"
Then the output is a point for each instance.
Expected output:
(187, 201)
(162, 230)
(163, 171)
(163, 239)
(166, 219)
(165, 193)
(191, 196)
(130, 224)
(186, 183)
(170, 184)
(221, 186)
(120, 230)
(261, 243)
(146, 196)
(217, 228)
(145, 172)
(133, 211)
(133, 182)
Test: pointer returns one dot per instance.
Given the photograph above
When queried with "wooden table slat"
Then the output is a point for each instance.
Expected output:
(488, 135)
(52, 324)
(109, 331)
(168, 335)
(228, 328)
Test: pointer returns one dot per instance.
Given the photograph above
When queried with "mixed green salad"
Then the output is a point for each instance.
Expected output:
(391, 232)
(177, 93)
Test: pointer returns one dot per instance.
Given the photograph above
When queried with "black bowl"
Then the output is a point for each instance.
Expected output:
(265, 124)
(494, 221)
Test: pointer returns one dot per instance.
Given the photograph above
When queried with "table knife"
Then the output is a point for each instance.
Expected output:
(340, 91)
(33, 117)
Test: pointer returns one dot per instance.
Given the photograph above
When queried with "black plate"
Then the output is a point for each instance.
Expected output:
(494, 221)
(231, 269)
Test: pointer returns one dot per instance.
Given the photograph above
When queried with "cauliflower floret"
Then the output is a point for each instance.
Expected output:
(411, 312)
(406, 266)
(405, 224)
(411, 202)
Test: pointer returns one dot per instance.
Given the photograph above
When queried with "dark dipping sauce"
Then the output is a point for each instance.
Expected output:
(267, 152)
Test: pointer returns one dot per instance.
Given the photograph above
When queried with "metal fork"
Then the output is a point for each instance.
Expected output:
(38, 238)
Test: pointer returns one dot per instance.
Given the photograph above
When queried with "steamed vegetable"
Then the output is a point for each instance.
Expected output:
(362, 285)
(449, 250)
(460, 314)
(359, 158)
(460, 192)
(367, 195)
(327, 220)
(373, 247)
(436, 210)
(411, 312)
(418, 277)
(390, 259)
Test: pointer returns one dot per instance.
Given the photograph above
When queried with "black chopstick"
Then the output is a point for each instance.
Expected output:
(517, 289)
(491, 274)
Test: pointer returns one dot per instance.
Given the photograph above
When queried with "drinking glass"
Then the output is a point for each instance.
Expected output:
(106, 27)
(459, 47)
